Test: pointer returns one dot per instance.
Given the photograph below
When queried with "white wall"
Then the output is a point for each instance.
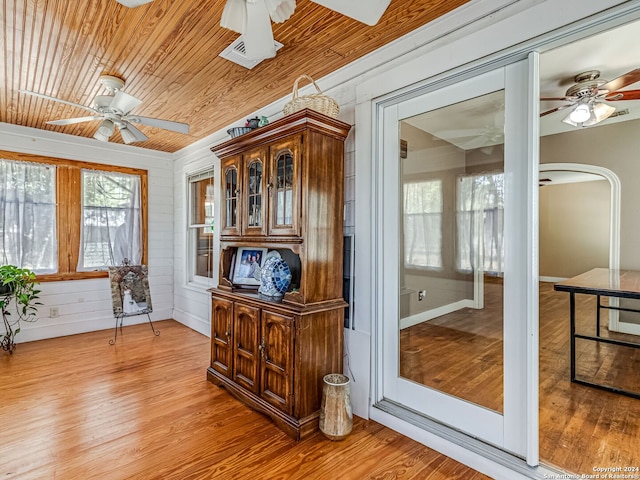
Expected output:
(85, 305)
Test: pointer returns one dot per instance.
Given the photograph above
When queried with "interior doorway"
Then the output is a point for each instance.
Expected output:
(579, 219)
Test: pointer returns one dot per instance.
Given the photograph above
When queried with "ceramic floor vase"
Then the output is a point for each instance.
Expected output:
(336, 417)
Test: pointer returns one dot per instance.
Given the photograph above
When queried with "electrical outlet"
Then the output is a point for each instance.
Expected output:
(421, 295)
(53, 312)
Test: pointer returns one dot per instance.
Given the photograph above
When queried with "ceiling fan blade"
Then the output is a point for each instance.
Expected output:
(156, 122)
(72, 121)
(626, 95)
(622, 81)
(234, 16)
(477, 142)
(555, 99)
(258, 37)
(553, 110)
(133, 3)
(365, 11)
(131, 134)
(123, 103)
(59, 100)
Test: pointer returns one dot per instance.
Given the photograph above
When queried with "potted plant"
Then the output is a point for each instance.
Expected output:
(19, 285)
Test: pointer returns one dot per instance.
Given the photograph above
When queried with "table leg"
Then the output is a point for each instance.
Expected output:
(598, 316)
(572, 315)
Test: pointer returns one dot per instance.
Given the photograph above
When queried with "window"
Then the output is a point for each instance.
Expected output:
(422, 214)
(481, 223)
(201, 223)
(111, 220)
(28, 215)
(68, 219)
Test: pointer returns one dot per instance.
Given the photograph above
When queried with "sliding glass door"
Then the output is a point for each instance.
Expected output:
(456, 265)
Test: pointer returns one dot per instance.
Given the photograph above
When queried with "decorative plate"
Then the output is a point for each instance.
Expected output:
(275, 276)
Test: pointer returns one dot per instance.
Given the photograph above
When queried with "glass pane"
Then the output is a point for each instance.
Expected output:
(231, 185)
(284, 189)
(112, 220)
(202, 202)
(204, 252)
(28, 216)
(254, 210)
(452, 262)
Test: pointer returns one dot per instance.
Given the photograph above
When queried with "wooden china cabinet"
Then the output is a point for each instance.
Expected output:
(282, 189)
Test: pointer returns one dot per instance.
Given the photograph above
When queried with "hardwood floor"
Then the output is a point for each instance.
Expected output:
(78, 408)
(581, 427)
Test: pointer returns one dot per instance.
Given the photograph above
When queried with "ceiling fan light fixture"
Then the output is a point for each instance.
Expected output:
(601, 111)
(580, 114)
(106, 129)
(101, 137)
(127, 136)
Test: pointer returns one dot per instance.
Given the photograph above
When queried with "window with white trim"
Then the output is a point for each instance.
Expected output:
(201, 224)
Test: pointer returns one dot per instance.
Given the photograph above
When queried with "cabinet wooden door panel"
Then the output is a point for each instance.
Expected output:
(246, 334)
(221, 320)
(276, 376)
(284, 186)
(231, 196)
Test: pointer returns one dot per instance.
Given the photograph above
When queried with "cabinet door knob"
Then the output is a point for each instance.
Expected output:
(227, 333)
(262, 347)
(237, 191)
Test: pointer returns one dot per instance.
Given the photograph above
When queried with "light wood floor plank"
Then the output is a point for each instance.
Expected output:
(77, 408)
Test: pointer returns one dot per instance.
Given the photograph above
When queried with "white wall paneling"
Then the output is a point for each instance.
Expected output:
(85, 305)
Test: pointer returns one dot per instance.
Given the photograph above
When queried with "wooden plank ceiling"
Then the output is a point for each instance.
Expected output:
(167, 51)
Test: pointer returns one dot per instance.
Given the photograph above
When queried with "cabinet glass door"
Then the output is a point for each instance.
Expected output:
(231, 192)
(254, 223)
(284, 195)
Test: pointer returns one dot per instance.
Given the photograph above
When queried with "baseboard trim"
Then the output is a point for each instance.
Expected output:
(434, 313)
(39, 330)
(194, 323)
(551, 279)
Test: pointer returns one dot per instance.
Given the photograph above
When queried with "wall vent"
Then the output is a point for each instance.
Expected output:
(236, 53)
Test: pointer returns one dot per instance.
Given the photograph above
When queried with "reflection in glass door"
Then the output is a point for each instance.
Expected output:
(456, 266)
(451, 254)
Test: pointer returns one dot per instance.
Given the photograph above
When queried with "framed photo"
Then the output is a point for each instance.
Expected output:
(130, 294)
(248, 265)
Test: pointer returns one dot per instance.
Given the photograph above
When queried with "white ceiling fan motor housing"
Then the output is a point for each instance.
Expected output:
(111, 83)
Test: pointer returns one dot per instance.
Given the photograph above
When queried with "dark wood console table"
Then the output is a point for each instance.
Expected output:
(607, 283)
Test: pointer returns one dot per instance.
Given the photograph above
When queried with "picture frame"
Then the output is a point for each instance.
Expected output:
(130, 293)
(248, 262)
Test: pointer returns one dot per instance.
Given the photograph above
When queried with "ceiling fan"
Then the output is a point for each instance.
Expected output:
(113, 110)
(252, 18)
(590, 94)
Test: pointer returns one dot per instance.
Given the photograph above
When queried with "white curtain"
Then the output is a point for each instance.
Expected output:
(28, 215)
(422, 217)
(111, 220)
(480, 219)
